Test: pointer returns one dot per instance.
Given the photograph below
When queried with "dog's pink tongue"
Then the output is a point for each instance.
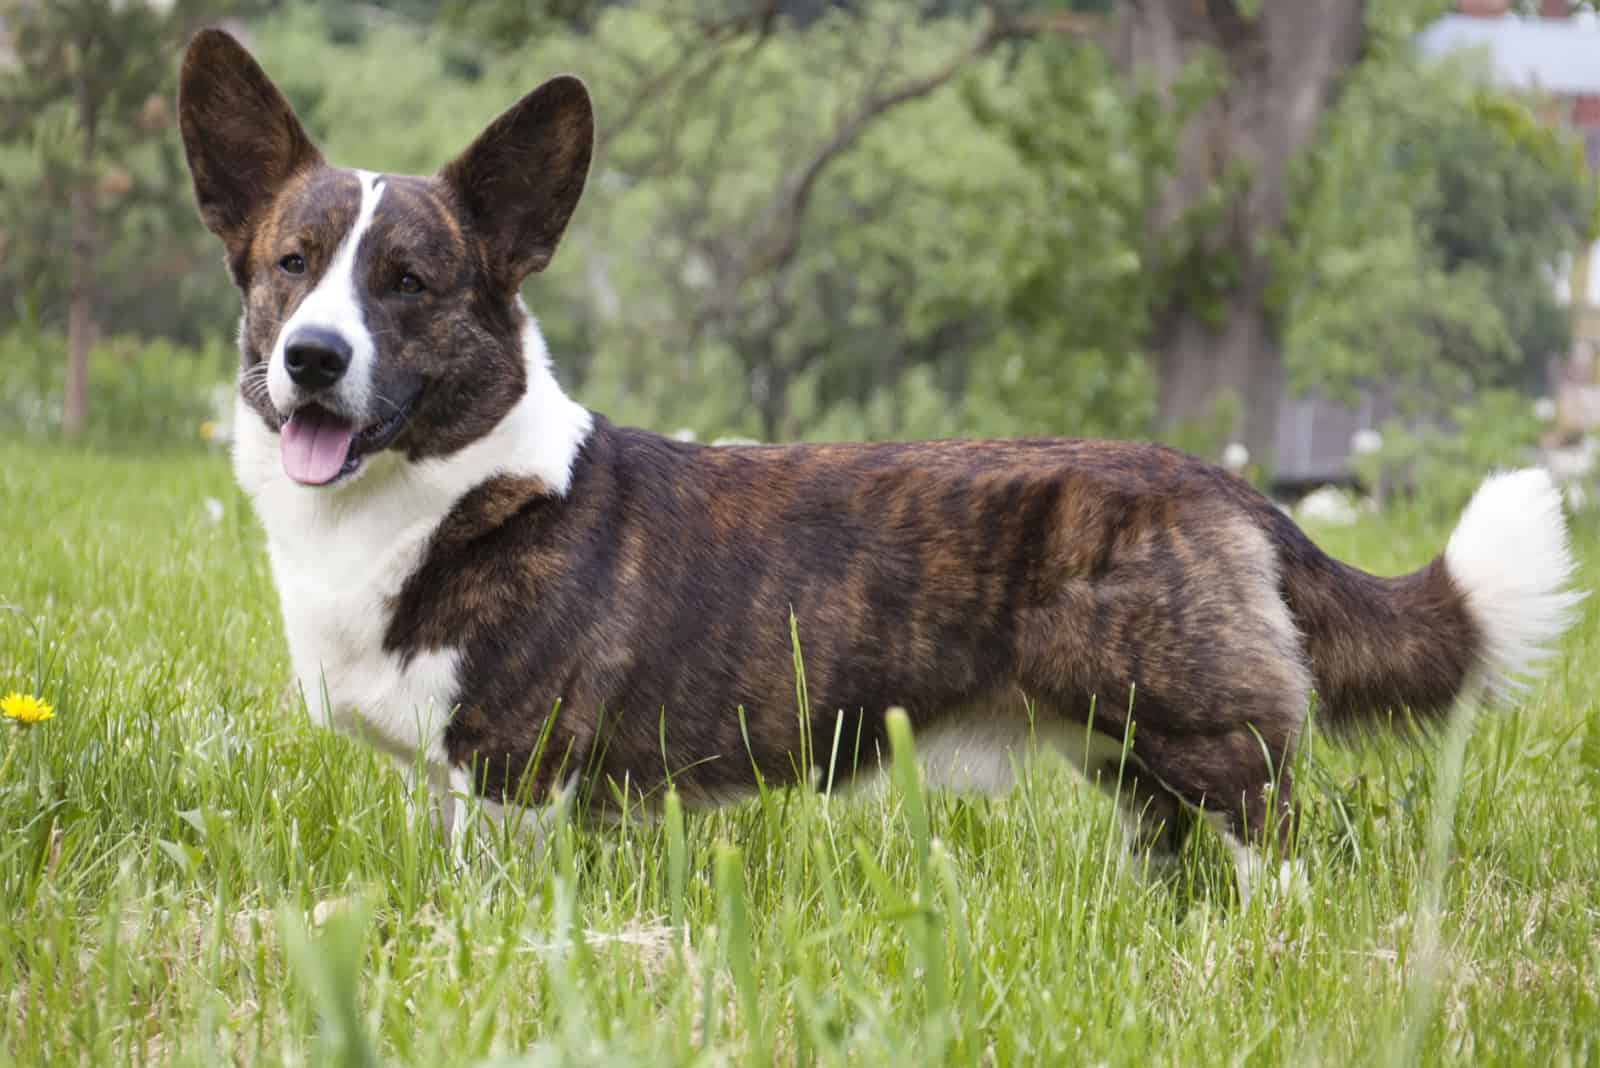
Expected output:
(314, 443)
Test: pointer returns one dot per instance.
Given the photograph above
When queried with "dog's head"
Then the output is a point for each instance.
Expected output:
(380, 311)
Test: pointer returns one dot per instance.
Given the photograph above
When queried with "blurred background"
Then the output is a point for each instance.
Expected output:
(1339, 242)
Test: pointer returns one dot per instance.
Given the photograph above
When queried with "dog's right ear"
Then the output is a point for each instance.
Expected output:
(241, 137)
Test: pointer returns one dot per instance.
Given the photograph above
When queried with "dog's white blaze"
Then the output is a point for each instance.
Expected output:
(334, 303)
(340, 554)
(1510, 558)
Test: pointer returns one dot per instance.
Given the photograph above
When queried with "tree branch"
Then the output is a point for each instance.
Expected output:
(782, 221)
(758, 24)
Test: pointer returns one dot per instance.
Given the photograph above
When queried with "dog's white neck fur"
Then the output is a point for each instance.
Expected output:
(341, 553)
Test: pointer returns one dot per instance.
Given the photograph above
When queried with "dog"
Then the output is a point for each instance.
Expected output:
(521, 601)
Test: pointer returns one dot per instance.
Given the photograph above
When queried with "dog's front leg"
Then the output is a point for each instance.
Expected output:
(471, 822)
(444, 807)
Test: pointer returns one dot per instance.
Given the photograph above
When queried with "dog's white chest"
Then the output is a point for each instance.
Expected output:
(335, 619)
(339, 568)
(351, 682)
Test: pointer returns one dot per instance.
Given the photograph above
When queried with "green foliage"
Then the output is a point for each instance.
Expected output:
(1209, 434)
(918, 299)
(1432, 470)
(981, 260)
(148, 393)
(891, 276)
(1079, 272)
(1426, 229)
(89, 104)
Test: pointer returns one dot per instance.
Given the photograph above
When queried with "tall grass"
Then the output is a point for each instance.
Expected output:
(191, 874)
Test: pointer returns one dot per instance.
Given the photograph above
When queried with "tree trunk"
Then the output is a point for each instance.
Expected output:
(1282, 67)
(81, 324)
(771, 389)
(1238, 362)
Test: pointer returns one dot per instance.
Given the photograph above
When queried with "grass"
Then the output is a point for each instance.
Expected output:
(191, 874)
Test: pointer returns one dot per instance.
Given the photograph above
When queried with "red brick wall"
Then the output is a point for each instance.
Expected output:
(1486, 8)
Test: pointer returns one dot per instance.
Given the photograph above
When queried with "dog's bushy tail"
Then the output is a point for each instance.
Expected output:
(1479, 619)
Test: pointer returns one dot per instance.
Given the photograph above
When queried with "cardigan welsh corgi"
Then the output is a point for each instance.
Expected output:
(491, 583)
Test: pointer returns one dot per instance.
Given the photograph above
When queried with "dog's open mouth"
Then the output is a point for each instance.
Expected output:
(319, 447)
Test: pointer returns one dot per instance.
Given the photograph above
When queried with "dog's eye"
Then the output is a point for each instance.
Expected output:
(409, 283)
(293, 263)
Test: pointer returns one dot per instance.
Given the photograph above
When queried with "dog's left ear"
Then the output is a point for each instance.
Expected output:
(520, 180)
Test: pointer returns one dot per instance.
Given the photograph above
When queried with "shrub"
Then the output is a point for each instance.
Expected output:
(141, 393)
(1434, 469)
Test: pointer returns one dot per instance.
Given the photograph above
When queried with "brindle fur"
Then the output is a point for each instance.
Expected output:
(648, 612)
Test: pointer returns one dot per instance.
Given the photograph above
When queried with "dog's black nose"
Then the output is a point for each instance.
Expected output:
(316, 358)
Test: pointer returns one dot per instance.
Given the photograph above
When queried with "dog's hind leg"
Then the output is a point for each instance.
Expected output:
(1155, 821)
(1218, 726)
(1242, 782)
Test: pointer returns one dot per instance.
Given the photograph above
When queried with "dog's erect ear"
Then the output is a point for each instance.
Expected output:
(520, 180)
(240, 135)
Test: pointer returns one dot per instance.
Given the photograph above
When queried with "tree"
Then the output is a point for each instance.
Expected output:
(88, 89)
(1078, 270)
(817, 218)
(785, 220)
(771, 230)
(1278, 67)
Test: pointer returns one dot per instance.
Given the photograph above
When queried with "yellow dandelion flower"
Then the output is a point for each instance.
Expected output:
(25, 708)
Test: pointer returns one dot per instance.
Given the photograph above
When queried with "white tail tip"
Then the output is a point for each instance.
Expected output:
(1509, 556)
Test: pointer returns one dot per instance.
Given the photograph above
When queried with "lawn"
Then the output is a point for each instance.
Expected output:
(191, 874)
